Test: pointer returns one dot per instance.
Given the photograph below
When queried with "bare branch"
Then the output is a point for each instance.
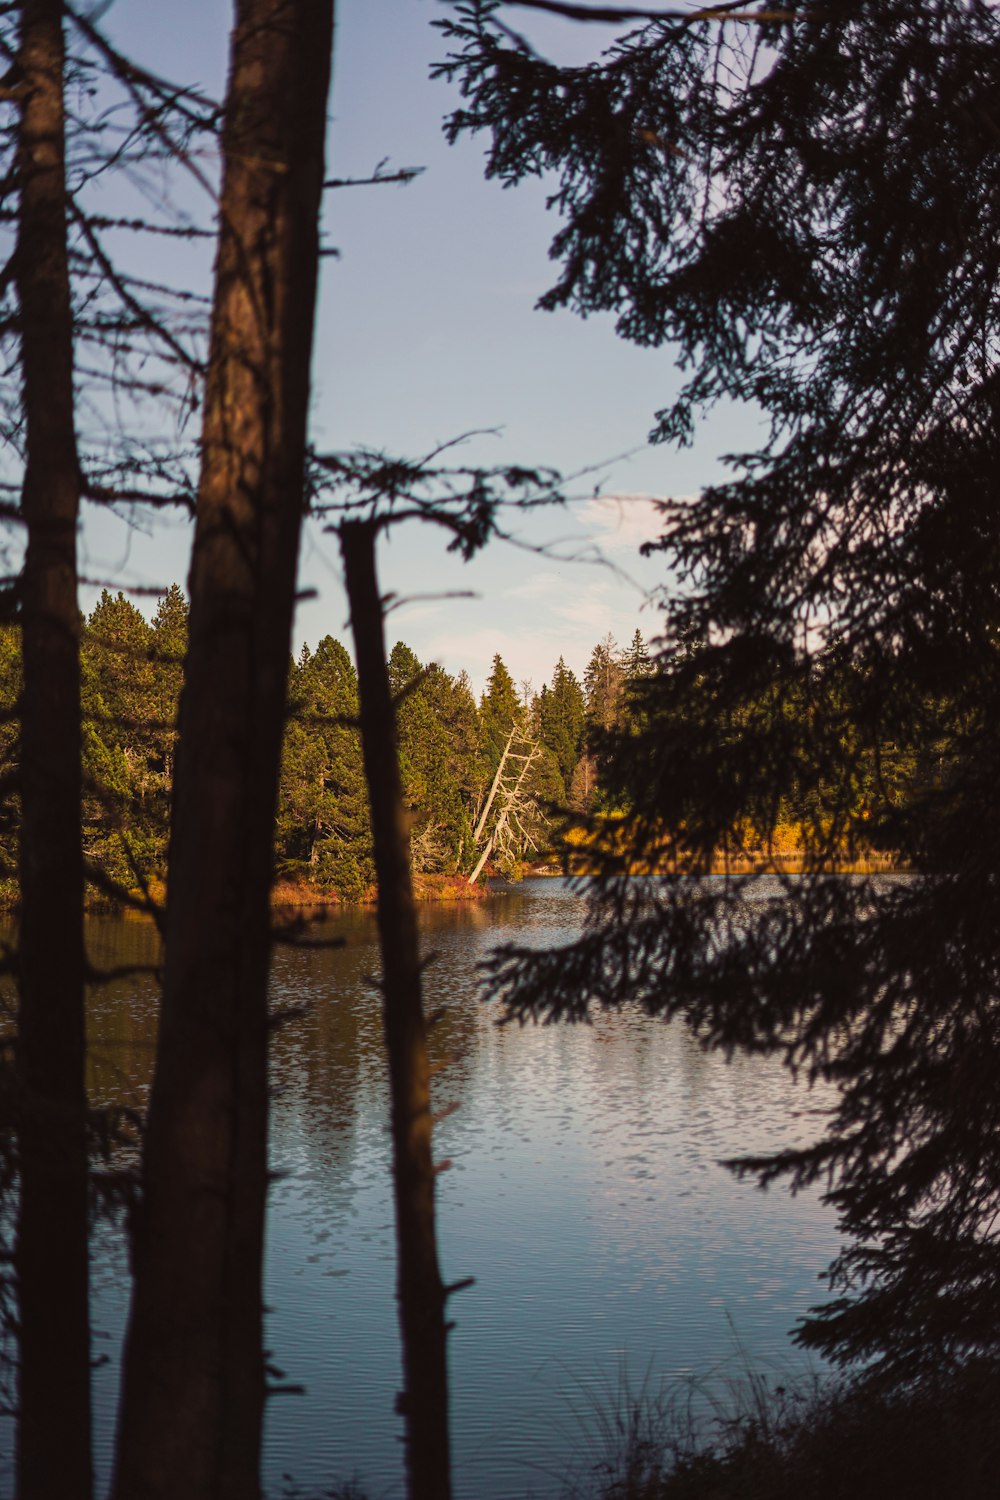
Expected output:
(145, 317)
(379, 178)
(613, 15)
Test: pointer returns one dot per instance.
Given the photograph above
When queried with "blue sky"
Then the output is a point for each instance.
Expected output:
(427, 330)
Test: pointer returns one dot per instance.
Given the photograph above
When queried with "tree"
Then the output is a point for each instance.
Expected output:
(168, 649)
(635, 659)
(499, 709)
(194, 1374)
(452, 776)
(118, 680)
(51, 1248)
(561, 715)
(366, 494)
(511, 817)
(324, 828)
(436, 728)
(422, 1293)
(805, 203)
(605, 684)
(63, 295)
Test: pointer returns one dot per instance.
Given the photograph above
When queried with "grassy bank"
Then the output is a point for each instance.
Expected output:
(839, 1441)
(287, 894)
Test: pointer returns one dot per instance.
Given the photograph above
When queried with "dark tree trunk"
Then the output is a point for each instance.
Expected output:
(53, 1453)
(421, 1293)
(194, 1379)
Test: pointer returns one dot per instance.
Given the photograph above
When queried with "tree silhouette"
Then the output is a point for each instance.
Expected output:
(68, 310)
(194, 1370)
(803, 204)
(51, 1248)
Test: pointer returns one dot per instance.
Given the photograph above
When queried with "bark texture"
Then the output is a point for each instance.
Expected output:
(53, 1444)
(421, 1294)
(194, 1380)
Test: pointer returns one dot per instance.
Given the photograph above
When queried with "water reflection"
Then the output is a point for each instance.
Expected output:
(584, 1196)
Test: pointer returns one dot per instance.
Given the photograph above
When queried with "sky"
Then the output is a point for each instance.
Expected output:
(427, 330)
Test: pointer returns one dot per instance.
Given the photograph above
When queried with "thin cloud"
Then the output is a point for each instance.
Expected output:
(536, 585)
(621, 523)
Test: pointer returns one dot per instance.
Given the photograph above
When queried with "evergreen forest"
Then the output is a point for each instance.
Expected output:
(558, 792)
(540, 754)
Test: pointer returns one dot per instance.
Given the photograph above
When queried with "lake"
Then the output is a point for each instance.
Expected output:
(584, 1196)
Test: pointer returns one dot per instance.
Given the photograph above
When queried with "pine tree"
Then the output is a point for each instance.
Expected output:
(499, 710)
(561, 717)
(635, 659)
(604, 683)
(805, 203)
(167, 651)
(323, 828)
(124, 833)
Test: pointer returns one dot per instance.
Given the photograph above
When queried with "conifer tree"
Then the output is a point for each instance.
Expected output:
(635, 659)
(167, 650)
(604, 681)
(804, 202)
(561, 716)
(323, 826)
(499, 709)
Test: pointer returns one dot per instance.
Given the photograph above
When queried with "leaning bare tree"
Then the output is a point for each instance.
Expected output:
(517, 811)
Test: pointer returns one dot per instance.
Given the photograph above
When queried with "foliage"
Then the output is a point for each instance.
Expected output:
(132, 674)
(764, 1440)
(499, 709)
(322, 826)
(804, 204)
(436, 723)
(123, 832)
(561, 717)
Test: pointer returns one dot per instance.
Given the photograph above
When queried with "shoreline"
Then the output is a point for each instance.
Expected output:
(773, 864)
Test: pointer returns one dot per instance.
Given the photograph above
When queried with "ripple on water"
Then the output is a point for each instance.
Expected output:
(586, 1199)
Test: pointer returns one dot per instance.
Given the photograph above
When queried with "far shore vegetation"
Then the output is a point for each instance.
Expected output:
(517, 781)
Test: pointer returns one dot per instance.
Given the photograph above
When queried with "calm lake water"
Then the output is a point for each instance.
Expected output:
(585, 1197)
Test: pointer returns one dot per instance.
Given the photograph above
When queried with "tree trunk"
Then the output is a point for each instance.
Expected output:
(194, 1378)
(481, 861)
(477, 835)
(421, 1294)
(510, 805)
(53, 1444)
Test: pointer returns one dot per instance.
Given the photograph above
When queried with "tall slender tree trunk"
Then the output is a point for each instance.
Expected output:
(421, 1293)
(194, 1379)
(53, 1451)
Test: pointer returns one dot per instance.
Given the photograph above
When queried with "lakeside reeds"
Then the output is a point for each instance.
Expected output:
(835, 1439)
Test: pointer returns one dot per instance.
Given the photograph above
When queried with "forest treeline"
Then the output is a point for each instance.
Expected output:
(479, 776)
(490, 783)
